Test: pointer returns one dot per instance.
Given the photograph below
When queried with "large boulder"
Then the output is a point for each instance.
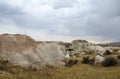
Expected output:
(96, 49)
(80, 45)
(25, 51)
(99, 59)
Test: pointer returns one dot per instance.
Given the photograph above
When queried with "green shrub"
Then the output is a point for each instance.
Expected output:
(71, 62)
(109, 61)
(118, 57)
(85, 60)
(107, 52)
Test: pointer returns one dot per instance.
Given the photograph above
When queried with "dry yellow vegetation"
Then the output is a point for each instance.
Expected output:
(78, 71)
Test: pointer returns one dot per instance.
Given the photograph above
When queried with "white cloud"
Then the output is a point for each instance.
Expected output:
(94, 20)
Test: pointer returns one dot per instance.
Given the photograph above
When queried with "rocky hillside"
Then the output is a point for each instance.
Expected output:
(25, 51)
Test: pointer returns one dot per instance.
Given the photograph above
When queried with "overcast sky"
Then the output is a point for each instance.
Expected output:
(65, 20)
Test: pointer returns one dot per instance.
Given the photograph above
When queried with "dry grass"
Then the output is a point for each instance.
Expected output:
(79, 71)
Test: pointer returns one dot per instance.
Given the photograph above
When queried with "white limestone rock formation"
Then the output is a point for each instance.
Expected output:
(24, 51)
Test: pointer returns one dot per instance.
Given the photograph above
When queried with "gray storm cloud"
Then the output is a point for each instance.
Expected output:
(85, 19)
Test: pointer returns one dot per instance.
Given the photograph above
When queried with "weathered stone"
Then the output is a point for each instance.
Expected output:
(24, 51)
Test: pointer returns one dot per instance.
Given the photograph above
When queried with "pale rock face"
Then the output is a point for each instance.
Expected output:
(96, 49)
(67, 56)
(24, 51)
(118, 52)
(50, 54)
(81, 46)
(83, 53)
(99, 59)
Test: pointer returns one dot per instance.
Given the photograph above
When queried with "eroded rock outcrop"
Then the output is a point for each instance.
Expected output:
(25, 51)
(84, 47)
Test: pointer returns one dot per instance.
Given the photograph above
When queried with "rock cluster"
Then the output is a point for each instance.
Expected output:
(25, 51)
(78, 47)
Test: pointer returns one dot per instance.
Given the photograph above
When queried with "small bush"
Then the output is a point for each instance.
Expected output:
(91, 61)
(107, 52)
(118, 57)
(77, 54)
(109, 61)
(71, 62)
(85, 60)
